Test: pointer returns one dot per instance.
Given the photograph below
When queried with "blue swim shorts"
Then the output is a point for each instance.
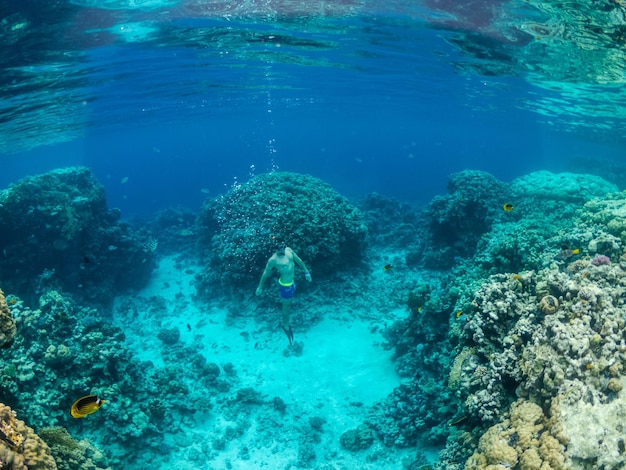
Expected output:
(287, 292)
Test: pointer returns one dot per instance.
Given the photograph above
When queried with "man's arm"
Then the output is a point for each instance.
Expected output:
(266, 272)
(299, 262)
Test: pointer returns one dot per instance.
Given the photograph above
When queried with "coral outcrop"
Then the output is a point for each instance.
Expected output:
(20, 447)
(554, 339)
(7, 323)
(63, 351)
(57, 233)
(460, 218)
(71, 454)
(521, 441)
(307, 214)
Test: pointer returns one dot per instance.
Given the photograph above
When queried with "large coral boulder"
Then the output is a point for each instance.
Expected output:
(57, 233)
(307, 214)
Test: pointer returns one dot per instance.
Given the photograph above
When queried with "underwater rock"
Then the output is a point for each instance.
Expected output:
(571, 358)
(240, 227)
(393, 223)
(249, 396)
(592, 428)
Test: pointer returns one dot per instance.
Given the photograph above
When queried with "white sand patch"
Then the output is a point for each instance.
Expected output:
(341, 371)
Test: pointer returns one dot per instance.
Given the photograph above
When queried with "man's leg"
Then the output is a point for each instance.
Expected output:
(286, 326)
(286, 313)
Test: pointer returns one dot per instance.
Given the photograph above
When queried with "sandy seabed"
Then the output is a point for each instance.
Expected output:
(341, 370)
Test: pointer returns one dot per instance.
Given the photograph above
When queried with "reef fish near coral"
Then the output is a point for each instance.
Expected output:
(567, 253)
(86, 405)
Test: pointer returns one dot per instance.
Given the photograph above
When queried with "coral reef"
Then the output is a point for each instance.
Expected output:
(240, 227)
(57, 233)
(514, 357)
(7, 323)
(20, 447)
(393, 224)
(460, 218)
(63, 351)
(551, 338)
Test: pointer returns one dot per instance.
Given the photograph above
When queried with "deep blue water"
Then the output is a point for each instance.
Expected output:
(380, 97)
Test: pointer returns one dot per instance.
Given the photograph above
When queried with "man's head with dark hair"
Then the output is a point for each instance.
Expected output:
(279, 248)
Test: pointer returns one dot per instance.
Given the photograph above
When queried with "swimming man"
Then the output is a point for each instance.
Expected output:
(284, 260)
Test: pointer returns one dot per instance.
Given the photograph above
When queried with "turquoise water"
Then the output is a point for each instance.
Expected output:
(465, 162)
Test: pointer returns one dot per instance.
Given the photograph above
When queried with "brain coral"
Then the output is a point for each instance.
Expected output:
(7, 324)
(307, 214)
(20, 447)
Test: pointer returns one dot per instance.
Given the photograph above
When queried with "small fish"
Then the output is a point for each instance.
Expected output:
(124, 180)
(458, 314)
(151, 245)
(566, 253)
(12, 301)
(188, 327)
(419, 309)
(86, 405)
(387, 267)
(112, 248)
(508, 207)
(458, 421)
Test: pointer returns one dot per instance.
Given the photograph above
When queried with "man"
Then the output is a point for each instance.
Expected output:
(284, 260)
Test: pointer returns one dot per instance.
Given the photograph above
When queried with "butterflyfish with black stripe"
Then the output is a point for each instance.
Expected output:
(86, 405)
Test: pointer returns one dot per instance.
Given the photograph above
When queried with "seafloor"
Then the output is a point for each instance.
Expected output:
(485, 330)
